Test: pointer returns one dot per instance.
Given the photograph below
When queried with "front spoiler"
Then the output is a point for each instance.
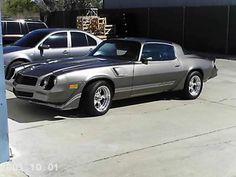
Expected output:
(69, 105)
(73, 103)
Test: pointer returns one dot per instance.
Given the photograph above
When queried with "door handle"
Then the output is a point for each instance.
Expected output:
(65, 52)
(177, 66)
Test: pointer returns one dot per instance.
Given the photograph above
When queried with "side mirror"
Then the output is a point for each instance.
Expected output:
(146, 60)
(43, 47)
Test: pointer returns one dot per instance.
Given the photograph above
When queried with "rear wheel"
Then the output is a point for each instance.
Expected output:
(193, 85)
(97, 98)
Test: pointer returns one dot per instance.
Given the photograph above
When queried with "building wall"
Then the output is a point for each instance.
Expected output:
(117, 4)
(201, 28)
(205, 28)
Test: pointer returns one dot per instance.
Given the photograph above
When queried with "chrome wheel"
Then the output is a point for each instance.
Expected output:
(102, 98)
(195, 85)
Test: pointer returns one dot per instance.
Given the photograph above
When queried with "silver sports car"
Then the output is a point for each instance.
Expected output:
(116, 69)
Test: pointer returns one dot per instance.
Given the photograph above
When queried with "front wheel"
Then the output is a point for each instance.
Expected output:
(8, 73)
(97, 98)
(193, 85)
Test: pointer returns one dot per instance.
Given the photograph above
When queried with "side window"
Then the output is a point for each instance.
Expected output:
(33, 26)
(58, 40)
(91, 41)
(106, 49)
(78, 39)
(24, 28)
(158, 52)
(3, 31)
(125, 50)
(13, 28)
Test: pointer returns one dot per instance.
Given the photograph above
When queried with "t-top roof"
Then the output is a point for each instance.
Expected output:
(142, 40)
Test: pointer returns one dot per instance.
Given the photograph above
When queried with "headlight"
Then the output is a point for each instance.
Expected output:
(55, 81)
(49, 82)
(45, 82)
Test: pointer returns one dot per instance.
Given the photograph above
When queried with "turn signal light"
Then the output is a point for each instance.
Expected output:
(73, 86)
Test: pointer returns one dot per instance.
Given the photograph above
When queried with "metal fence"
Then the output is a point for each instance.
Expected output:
(205, 28)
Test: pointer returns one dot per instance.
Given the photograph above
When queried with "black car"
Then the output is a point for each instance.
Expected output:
(12, 30)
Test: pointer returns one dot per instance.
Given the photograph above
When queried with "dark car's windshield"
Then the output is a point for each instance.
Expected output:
(118, 49)
(32, 38)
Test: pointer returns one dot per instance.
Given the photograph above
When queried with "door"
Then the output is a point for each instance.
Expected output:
(79, 44)
(158, 71)
(120, 55)
(56, 47)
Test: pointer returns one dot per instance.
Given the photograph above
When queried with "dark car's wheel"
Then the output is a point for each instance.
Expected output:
(13, 64)
(193, 85)
(97, 98)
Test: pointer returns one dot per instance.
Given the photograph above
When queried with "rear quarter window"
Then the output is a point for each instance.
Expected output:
(91, 41)
(34, 26)
(158, 52)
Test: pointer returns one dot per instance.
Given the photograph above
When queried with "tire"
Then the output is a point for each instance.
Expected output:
(15, 63)
(97, 98)
(193, 85)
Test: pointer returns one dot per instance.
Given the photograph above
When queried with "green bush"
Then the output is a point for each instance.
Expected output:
(19, 7)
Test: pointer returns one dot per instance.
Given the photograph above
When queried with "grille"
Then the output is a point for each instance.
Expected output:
(25, 80)
(23, 94)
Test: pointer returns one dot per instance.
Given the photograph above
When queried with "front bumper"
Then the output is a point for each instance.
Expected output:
(73, 103)
(9, 81)
(9, 85)
(64, 100)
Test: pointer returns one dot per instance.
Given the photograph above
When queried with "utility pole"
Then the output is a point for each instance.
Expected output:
(4, 139)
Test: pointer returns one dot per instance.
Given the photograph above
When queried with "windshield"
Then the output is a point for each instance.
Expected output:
(118, 49)
(32, 39)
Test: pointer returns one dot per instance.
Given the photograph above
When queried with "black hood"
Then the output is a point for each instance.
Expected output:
(68, 65)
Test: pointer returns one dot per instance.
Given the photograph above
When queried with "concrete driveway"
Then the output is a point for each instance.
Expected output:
(151, 136)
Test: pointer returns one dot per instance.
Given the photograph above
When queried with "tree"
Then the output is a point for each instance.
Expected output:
(67, 5)
(19, 8)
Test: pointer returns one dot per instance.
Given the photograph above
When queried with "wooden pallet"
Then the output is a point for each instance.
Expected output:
(95, 25)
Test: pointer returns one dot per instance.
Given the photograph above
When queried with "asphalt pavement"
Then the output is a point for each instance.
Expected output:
(158, 135)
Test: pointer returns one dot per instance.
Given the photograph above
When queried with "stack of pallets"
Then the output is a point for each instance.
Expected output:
(95, 25)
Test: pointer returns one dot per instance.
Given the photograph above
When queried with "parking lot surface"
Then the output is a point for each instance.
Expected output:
(158, 135)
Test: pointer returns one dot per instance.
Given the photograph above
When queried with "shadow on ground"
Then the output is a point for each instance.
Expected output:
(146, 99)
(24, 112)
